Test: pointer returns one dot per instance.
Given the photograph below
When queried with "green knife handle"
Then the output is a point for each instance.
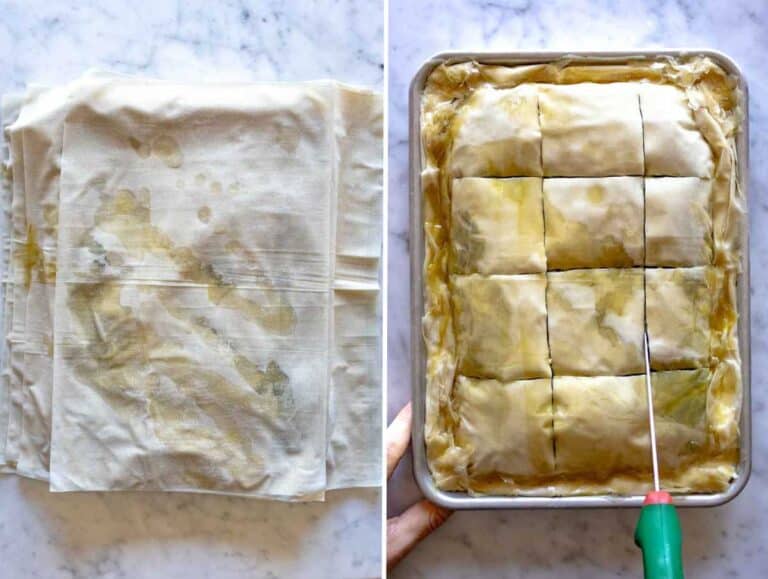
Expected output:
(659, 537)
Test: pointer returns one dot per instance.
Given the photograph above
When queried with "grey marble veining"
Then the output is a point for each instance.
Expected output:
(721, 542)
(224, 40)
(137, 535)
(142, 535)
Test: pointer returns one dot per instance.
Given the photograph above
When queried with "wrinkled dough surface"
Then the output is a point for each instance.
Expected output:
(505, 427)
(497, 226)
(596, 321)
(680, 411)
(591, 130)
(679, 306)
(498, 135)
(501, 326)
(666, 128)
(673, 145)
(193, 342)
(594, 222)
(601, 424)
(678, 222)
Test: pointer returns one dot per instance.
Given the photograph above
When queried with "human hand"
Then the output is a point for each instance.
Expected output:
(406, 530)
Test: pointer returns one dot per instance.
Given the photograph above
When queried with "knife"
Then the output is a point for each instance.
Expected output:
(658, 531)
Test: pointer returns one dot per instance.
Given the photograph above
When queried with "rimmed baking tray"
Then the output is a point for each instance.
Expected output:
(457, 500)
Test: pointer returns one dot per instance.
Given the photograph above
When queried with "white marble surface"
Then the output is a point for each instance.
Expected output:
(170, 535)
(724, 542)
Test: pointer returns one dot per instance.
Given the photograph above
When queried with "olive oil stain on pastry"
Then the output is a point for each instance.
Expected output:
(33, 261)
(128, 216)
(141, 372)
(567, 246)
(32, 255)
(608, 304)
(163, 147)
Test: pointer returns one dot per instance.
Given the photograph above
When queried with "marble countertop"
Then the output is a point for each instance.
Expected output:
(140, 535)
(729, 541)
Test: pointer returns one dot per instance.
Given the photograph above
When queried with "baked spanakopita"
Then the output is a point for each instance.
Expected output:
(568, 206)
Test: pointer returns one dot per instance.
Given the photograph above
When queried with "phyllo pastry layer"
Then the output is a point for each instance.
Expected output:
(594, 222)
(596, 321)
(679, 307)
(498, 135)
(680, 410)
(497, 226)
(591, 130)
(601, 424)
(678, 221)
(505, 427)
(501, 328)
(672, 142)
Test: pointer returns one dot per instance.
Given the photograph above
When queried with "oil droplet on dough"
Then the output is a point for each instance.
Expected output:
(204, 214)
(216, 187)
(233, 188)
(141, 149)
(595, 194)
(200, 179)
(32, 256)
(168, 151)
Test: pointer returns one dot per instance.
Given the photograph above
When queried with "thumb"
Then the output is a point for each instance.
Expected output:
(406, 530)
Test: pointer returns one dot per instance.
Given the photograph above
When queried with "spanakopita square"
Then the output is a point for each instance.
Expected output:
(678, 222)
(594, 222)
(673, 144)
(596, 321)
(501, 327)
(678, 307)
(497, 226)
(497, 134)
(601, 424)
(591, 130)
(680, 410)
(505, 427)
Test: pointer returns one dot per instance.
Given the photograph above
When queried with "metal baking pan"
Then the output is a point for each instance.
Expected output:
(457, 500)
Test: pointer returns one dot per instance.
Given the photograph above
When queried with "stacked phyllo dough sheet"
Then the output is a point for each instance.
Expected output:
(568, 206)
(192, 296)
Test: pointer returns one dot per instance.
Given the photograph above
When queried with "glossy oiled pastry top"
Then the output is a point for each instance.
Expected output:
(568, 206)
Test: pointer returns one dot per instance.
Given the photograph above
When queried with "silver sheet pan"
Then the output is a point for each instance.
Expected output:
(424, 479)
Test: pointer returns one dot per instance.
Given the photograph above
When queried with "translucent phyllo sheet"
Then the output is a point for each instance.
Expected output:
(197, 265)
